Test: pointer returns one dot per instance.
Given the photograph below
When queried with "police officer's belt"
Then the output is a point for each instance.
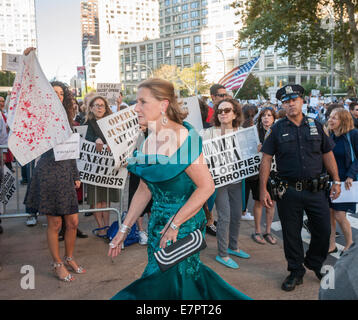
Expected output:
(310, 184)
(299, 185)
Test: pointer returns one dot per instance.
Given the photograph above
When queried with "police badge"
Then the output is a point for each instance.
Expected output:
(288, 90)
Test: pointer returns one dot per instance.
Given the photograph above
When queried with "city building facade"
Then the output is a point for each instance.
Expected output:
(17, 25)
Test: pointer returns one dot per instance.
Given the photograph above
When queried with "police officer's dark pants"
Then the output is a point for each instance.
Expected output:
(290, 210)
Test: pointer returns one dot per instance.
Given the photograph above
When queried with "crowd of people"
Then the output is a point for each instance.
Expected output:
(182, 199)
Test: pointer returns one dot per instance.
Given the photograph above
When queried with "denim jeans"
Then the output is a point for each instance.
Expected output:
(229, 208)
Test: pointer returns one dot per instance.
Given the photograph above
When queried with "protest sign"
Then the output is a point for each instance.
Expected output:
(70, 149)
(82, 130)
(11, 62)
(231, 157)
(36, 116)
(8, 186)
(350, 195)
(110, 91)
(191, 105)
(98, 168)
(121, 130)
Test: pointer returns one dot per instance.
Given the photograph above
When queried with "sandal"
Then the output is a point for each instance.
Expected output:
(256, 236)
(68, 278)
(95, 232)
(79, 269)
(270, 238)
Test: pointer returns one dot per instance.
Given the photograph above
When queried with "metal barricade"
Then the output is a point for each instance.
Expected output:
(15, 204)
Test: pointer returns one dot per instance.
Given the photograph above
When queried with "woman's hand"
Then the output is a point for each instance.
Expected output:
(259, 146)
(28, 50)
(116, 244)
(77, 184)
(169, 235)
(99, 144)
(348, 183)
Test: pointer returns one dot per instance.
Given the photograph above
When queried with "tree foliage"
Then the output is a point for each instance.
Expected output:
(300, 29)
(187, 80)
(251, 89)
(6, 78)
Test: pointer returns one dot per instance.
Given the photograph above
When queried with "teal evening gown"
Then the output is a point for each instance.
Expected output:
(171, 187)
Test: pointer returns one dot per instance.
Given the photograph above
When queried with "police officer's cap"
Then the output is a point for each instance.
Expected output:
(290, 91)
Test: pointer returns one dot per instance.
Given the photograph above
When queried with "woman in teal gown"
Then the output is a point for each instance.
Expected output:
(177, 181)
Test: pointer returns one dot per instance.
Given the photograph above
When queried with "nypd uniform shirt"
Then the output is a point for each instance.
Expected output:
(298, 149)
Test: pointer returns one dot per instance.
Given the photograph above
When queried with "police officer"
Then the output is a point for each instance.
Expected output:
(301, 148)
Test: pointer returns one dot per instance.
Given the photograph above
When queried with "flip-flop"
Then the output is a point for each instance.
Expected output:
(254, 235)
(270, 238)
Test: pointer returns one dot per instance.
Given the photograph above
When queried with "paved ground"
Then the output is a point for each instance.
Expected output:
(259, 277)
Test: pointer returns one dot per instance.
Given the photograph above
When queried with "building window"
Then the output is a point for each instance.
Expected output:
(178, 62)
(282, 80)
(186, 41)
(197, 58)
(292, 79)
(177, 42)
(303, 79)
(177, 52)
(197, 49)
(197, 39)
(269, 63)
(244, 53)
(186, 61)
(282, 62)
(186, 50)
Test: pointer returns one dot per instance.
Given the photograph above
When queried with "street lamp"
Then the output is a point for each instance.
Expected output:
(150, 69)
(222, 53)
(331, 29)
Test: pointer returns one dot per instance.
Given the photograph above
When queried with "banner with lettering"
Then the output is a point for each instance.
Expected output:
(98, 168)
(121, 130)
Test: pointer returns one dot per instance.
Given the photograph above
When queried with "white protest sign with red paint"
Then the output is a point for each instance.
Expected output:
(36, 116)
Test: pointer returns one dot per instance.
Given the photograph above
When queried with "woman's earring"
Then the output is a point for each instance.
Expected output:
(164, 119)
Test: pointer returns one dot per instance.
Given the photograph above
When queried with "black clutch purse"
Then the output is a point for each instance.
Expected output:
(181, 249)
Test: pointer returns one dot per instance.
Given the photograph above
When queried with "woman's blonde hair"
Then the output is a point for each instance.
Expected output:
(164, 90)
(346, 120)
(90, 115)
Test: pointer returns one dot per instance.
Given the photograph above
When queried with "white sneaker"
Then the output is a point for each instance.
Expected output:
(143, 238)
(31, 221)
(247, 216)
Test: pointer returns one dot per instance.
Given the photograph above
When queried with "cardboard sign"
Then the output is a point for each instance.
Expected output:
(8, 186)
(110, 91)
(11, 62)
(98, 168)
(82, 130)
(121, 130)
(233, 157)
(191, 105)
(70, 149)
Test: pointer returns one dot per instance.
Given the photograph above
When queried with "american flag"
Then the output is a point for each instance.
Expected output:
(237, 76)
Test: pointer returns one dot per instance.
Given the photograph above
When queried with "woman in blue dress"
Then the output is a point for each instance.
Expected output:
(345, 137)
(173, 172)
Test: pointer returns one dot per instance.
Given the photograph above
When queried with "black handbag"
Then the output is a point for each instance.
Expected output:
(180, 250)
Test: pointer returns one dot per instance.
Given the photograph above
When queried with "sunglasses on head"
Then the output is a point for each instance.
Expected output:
(225, 110)
(221, 95)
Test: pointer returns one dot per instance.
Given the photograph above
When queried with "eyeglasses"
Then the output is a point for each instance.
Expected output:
(225, 110)
(221, 95)
(99, 106)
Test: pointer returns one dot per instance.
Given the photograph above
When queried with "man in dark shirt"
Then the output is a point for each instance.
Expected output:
(353, 108)
(302, 149)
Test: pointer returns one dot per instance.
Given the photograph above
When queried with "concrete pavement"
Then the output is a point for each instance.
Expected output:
(259, 277)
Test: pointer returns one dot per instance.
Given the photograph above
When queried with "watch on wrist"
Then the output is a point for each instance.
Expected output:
(337, 182)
